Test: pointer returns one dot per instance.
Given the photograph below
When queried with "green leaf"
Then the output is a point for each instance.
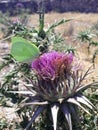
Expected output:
(58, 23)
(23, 50)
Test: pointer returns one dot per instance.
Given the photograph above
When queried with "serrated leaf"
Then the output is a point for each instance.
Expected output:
(57, 24)
(23, 50)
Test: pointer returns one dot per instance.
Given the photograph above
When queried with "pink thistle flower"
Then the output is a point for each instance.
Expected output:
(52, 65)
(58, 86)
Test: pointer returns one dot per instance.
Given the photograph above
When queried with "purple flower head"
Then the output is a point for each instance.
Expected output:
(15, 20)
(19, 5)
(58, 85)
(52, 64)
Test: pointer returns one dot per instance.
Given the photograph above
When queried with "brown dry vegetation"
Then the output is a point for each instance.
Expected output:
(69, 30)
(79, 22)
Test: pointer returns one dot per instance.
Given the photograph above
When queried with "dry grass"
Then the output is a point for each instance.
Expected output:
(51, 17)
(79, 21)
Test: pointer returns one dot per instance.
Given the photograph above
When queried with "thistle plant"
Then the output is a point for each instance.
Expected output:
(57, 87)
(88, 37)
(15, 26)
(27, 43)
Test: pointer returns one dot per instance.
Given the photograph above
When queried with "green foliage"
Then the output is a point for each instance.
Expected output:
(90, 122)
(23, 50)
(88, 36)
(57, 24)
(85, 36)
(95, 28)
(58, 99)
(3, 124)
(27, 44)
(16, 26)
